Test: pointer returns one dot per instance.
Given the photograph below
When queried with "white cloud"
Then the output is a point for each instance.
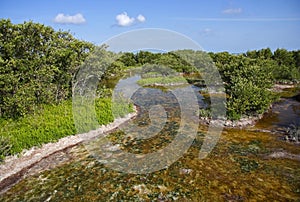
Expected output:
(69, 19)
(124, 20)
(232, 11)
(141, 18)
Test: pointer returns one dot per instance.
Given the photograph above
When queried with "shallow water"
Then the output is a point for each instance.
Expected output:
(238, 168)
(284, 113)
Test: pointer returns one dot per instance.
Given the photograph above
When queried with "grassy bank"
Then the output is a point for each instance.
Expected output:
(162, 81)
(48, 124)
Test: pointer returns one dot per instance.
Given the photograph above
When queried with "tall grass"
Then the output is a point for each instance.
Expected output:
(48, 124)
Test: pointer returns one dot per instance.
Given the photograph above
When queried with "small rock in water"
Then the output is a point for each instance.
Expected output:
(185, 171)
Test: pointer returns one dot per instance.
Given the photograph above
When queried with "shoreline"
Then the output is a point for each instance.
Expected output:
(241, 123)
(250, 121)
(13, 168)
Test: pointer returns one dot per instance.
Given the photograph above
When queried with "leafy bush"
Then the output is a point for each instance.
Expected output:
(247, 99)
(205, 113)
(247, 83)
(37, 64)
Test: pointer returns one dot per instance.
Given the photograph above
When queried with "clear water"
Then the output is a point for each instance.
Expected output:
(238, 169)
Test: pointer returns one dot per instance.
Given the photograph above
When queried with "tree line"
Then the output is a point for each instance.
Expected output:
(37, 65)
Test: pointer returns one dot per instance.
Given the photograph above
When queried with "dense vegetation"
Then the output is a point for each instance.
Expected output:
(247, 77)
(37, 65)
(48, 124)
(285, 65)
(162, 81)
(247, 83)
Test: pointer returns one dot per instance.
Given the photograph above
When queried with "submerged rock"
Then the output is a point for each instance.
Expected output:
(185, 171)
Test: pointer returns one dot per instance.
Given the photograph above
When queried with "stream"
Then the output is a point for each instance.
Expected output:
(239, 168)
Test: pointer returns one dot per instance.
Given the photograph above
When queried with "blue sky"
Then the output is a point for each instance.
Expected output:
(217, 25)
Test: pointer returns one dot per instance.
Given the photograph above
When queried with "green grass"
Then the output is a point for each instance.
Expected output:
(50, 123)
(163, 80)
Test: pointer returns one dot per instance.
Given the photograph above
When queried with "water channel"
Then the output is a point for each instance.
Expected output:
(240, 168)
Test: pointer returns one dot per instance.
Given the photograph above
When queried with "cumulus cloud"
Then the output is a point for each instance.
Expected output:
(232, 11)
(124, 20)
(69, 19)
(141, 18)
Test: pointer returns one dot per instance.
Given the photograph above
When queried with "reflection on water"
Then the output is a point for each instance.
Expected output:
(237, 170)
(284, 113)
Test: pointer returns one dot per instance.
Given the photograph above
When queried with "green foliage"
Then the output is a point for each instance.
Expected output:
(247, 99)
(144, 57)
(247, 78)
(287, 68)
(175, 61)
(247, 165)
(5, 147)
(205, 113)
(247, 83)
(102, 68)
(171, 60)
(163, 80)
(128, 59)
(121, 106)
(50, 123)
(285, 64)
(155, 70)
(47, 124)
(36, 66)
(107, 111)
(262, 54)
(196, 62)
